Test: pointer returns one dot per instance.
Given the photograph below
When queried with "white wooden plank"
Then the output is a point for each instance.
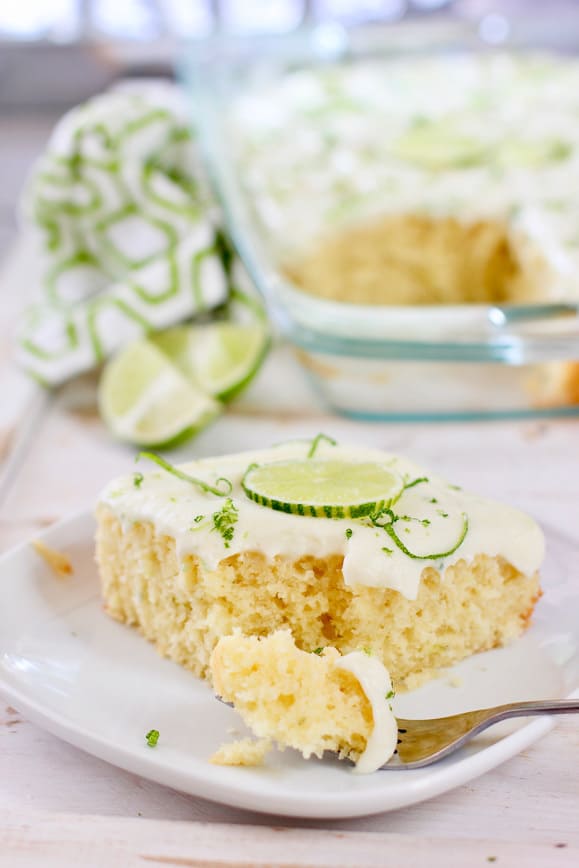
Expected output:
(22, 401)
(23, 137)
(70, 841)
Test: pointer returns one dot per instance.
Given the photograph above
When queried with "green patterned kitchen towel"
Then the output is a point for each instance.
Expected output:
(129, 238)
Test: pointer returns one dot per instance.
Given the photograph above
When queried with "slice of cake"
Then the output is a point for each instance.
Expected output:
(343, 546)
(313, 702)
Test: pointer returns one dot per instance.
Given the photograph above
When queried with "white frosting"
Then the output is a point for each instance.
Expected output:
(436, 514)
(376, 684)
(474, 137)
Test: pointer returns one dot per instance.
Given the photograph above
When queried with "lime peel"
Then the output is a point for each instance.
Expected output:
(388, 527)
(316, 442)
(180, 474)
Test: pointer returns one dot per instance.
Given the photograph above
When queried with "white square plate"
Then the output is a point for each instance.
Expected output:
(100, 686)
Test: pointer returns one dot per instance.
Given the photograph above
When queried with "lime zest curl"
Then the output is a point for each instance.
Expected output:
(180, 474)
(316, 442)
(414, 482)
(386, 519)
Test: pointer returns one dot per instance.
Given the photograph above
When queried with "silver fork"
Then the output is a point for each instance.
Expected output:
(422, 742)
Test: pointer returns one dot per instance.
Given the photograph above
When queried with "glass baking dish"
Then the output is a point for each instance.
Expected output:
(419, 362)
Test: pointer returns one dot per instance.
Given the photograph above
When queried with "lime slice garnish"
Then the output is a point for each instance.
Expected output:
(437, 146)
(221, 358)
(518, 152)
(325, 489)
(144, 399)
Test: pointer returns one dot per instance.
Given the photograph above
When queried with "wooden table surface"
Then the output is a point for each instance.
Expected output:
(61, 807)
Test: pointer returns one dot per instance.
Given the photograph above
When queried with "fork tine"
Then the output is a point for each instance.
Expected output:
(421, 741)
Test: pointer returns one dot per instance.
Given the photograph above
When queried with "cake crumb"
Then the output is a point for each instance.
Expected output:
(245, 752)
(59, 563)
(455, 681)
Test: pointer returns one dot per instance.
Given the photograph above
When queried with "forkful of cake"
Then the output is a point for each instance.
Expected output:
(323, 701)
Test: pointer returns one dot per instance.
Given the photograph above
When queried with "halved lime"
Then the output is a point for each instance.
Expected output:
(324, 489)
(145, 400)
(220, 357)
(244, 306)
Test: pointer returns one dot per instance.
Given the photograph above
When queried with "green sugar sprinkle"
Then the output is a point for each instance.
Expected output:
(391, 694)
(349, 532)
(442, 513)
(224, 521)
(387, 550)
(180, 474)
(198, 518)
(138, 479)
(318, 651)
(152, 737)
(423, 521)
(316, 442)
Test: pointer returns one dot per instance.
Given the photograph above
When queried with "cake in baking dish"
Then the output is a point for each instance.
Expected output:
(341, 545)
(444, 179)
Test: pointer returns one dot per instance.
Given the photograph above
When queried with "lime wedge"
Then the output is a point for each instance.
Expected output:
(221, 358)
(144, 399)
(325, 489)
(245, 307)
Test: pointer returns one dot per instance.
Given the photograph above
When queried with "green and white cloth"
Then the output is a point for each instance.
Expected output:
(129, 239)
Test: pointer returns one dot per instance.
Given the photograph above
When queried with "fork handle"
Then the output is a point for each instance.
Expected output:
(534, 707)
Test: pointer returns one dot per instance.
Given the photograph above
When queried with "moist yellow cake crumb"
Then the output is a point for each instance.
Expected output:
(418, 259)
(185, 608)
(59, 563)
(298, 699)
(245, 752)
(423, 260)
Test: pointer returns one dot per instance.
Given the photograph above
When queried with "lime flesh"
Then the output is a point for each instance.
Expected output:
(324, 489)
(221, 358)
(146, 400)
